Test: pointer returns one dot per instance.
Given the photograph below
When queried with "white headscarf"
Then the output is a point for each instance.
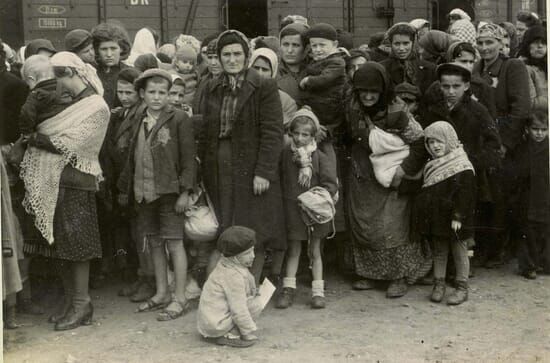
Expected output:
(144, 43)
(461, 13)
(269, 55)
(85, 71)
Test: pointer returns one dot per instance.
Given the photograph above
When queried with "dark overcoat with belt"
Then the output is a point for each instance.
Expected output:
(256, 145)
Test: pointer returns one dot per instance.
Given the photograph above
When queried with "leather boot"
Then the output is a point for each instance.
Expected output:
(76, 317)
(286, 298)
(460, 294)
(10, 318)
(61, 312)
(438, 291)
(397, 288)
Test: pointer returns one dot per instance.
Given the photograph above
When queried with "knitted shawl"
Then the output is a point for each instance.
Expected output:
(78, 133)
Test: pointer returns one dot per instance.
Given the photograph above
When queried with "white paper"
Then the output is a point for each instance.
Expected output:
(265, 292)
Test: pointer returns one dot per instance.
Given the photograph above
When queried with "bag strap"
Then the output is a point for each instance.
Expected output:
(209, 203)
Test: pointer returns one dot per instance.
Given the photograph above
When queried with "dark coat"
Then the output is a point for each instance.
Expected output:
(452, 199)
(529, 179)
(324, 175)
(256, 145)
(424, 72)
(476, 129)
(324, 89)
(174, 152)
(13, 93)
(288, 81)
(510, 79)
(109, 81)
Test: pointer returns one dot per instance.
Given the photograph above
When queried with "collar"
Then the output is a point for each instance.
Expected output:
(494, 68)
(233, 82)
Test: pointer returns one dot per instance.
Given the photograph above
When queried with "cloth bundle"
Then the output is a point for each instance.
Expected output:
(388, 152)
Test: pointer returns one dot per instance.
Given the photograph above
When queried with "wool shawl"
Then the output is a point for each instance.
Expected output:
(78, 133)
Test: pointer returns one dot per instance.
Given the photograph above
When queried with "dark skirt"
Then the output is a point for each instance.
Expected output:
(225, 184)
(76, 231)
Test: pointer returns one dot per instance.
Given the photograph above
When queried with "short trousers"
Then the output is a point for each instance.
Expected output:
(159, 219)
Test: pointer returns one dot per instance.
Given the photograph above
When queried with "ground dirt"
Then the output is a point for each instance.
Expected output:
(507, 319)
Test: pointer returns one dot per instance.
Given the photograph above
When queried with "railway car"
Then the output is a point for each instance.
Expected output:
(23, 20)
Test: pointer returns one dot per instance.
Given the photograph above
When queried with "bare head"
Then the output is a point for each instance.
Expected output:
(37, 68)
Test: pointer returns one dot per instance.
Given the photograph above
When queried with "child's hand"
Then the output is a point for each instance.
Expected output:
(182, 203)
(456, 225)
(303, 82)
(304, 177)
(260, 185)
(249, 337)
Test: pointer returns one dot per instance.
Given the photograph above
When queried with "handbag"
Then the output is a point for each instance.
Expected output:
(201, 224)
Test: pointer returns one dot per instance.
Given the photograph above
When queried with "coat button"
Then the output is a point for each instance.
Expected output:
(359, 139)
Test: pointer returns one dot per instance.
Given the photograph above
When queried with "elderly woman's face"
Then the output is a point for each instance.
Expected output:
(87, 54)
(232, 58)
(213, 63)
(109, 53)
(488, 48)
(369, 98)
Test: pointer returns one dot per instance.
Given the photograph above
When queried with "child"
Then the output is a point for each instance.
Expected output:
(531, 182)
(119, 136)
(185, 64)
(447, 203)
(177, 95)
(304, 167)
(159, 175)
(228, 305)
(325, 78)
(44, 100)
(409, 94)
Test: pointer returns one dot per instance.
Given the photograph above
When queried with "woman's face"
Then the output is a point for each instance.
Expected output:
(488, 48)
(466, 59)
(538, 49)
(505, 46)
(369, 98)
(109, 53)
(233, 58)
(213, 63)
(263, 67)
(401, 46)
(437, 148)
(87, 54)
(292, 49)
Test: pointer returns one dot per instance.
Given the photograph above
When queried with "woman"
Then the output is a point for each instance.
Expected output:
(60, 172)
(403, 64)
(534, 50)
(144, 43)
(464, 31)
(433, 46)
(240, 147)
(379, 217)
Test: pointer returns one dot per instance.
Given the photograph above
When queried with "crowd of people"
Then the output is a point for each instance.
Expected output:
(198, 168)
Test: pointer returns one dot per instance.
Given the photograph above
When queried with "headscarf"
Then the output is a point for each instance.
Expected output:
(184, 39)
(511, 30)
(419, 23)
(269, 55)
(491, 30)
(532, 34)
(144, 43)
(464, 31)
(36, 45)
(453, 162)
(461, 13)
(85, 71)
(373, 76)
(233, 36)
(435, 43)
(406, 64)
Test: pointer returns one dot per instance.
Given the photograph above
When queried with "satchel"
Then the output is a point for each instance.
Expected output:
(201, 224)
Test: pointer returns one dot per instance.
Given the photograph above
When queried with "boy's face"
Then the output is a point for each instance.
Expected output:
(437, 148)
(213, 63)
(127, 94)
(322, 48)
(401, 46)
(292, 49)
(466, 59)
(87, 54)
(176, 94)
(109, 53)
(302, 135)
(263, 67)
(247, 257)
(233, 58)
(369, 98)
(184, 65)
(538, 131)
(453, 88)
(488, 48)
(155, 95)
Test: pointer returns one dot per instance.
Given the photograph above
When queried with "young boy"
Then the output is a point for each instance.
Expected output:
(185, 64)
(325, 78)
(531, 183)
(44, 100)
(159, 176)
(410, 94)
(177, 95)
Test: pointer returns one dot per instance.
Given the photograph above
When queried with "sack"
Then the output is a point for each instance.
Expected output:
(317, 206)
(201, 224)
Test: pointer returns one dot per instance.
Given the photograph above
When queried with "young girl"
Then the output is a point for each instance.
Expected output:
(229, 305)
(446, 205)
(304, 167)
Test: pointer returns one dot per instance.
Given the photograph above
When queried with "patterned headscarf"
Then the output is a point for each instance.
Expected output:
(464, 30)
(85, 71)
(491, 30)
